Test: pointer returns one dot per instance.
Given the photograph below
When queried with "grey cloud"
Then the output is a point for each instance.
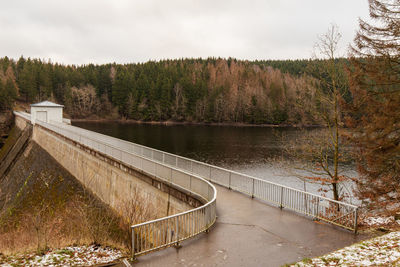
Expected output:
(123, 31)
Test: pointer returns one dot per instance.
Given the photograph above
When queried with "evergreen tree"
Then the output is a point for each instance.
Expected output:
(375, 113)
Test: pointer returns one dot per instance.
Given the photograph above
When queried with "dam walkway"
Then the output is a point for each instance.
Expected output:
(254, 222)
(249, 232)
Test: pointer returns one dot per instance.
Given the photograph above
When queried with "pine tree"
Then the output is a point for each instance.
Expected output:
(27, 82)
(375, 113)
(8, 94)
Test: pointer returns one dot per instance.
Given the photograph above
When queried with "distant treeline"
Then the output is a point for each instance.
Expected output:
(200, 90)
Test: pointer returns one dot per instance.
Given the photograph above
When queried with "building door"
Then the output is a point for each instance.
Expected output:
(41, 116)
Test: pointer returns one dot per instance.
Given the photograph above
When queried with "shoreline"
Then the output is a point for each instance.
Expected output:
(183, 123)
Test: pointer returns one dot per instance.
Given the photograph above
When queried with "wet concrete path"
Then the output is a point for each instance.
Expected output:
(249, 232)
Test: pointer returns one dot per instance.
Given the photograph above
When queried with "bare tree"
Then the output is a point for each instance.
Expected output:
(319, 153)
(179, 102)
(133, 210)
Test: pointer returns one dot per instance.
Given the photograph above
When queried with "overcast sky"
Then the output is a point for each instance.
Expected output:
(126, 31)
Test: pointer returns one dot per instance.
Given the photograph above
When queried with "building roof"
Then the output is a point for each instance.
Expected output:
(47, 104)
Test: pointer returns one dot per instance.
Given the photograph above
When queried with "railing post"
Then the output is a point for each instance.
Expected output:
(229, 186)
(317, 213)
(281, 204)
(252, 191)
(133, 243)
(355, 221)
(177, 231)
(208, 216)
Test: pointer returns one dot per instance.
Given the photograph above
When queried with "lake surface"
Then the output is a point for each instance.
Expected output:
(250, 150)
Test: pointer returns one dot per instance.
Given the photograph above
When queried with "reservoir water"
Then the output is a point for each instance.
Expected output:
(249, 150)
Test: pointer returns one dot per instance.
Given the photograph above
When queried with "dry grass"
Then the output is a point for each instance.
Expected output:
(79, 218)
(43, 206)
(135, 209)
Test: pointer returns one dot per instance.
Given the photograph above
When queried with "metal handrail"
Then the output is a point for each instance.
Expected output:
(216, 167)
(307, 203)
(200, 218)
(310, 204)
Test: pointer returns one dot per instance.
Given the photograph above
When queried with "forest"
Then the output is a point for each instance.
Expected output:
(185, 90)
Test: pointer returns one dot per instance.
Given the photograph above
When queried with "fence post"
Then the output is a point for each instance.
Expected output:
(281, 204)
(229, 186)
(177, 231)
(355, 221)
(133, 243)
(208, 212)
(317, 213)
(252, 191)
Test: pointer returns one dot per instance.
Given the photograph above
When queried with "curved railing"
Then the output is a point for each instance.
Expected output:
(163, 232)
(321, 208)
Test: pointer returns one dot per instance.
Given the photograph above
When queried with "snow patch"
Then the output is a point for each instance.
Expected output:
(69, 256)
(375, 221)
(380, 251)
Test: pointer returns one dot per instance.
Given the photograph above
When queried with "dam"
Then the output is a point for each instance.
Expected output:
(255, 221)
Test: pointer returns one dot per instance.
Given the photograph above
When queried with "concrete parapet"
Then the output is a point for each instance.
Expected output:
(112, 181)
(20, 122)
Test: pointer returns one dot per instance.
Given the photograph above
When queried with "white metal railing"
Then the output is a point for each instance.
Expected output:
(163, 232)
(335, 212)
(321, 208)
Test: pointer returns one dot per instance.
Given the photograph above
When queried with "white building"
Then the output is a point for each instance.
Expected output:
(46, 111)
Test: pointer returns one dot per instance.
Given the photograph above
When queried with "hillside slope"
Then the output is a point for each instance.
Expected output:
(42, 205)
(190, 90)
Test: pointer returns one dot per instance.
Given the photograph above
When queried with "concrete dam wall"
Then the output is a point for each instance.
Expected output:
(182, 203)
(110, 180)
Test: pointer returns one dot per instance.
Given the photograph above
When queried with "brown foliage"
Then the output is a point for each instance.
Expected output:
(374, 116)
(137, 208)
(310, 157)
(41, 206)
(263, 94)
(57, 216)
(83, 102)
